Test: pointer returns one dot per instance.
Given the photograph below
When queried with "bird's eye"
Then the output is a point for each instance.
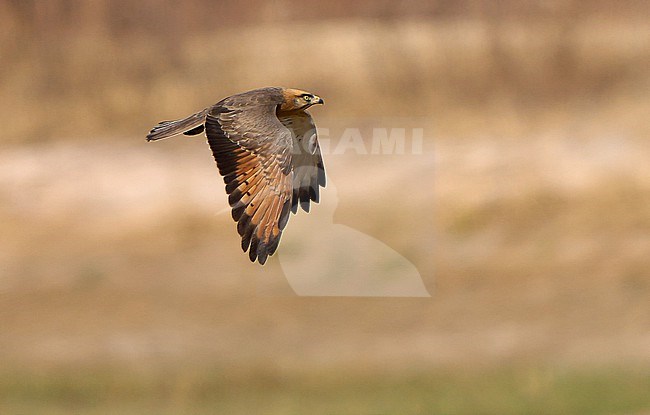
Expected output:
(307, 98)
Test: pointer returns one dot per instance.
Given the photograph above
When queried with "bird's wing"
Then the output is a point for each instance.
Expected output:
(253, 152)
(308, 168)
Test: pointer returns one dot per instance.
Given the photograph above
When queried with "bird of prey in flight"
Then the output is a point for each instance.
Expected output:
(266, 148)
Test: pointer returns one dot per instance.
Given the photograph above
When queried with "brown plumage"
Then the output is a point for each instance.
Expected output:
(266, 148)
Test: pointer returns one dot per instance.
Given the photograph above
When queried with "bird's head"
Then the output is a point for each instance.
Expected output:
(295, 99)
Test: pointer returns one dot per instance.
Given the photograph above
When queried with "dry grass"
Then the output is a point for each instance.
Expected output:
(478, 72)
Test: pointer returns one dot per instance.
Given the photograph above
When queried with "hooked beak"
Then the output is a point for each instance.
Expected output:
(317, 100)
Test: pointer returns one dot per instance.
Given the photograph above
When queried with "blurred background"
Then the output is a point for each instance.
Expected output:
(122, 285)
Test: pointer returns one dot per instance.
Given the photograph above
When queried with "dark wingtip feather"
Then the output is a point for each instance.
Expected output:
(284, 215)
(304, 199)
(262, 253)
(294, 201)
(237, 212)
(229, 178)
(243, 224)
(252, 252)
(246, 238)
(231, 186)
(273, 245)
(234, 197)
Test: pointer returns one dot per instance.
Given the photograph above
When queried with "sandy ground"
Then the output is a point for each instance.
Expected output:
(531, 250)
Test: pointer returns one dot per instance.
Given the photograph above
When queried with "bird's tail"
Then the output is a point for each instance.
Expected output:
(189, 126)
